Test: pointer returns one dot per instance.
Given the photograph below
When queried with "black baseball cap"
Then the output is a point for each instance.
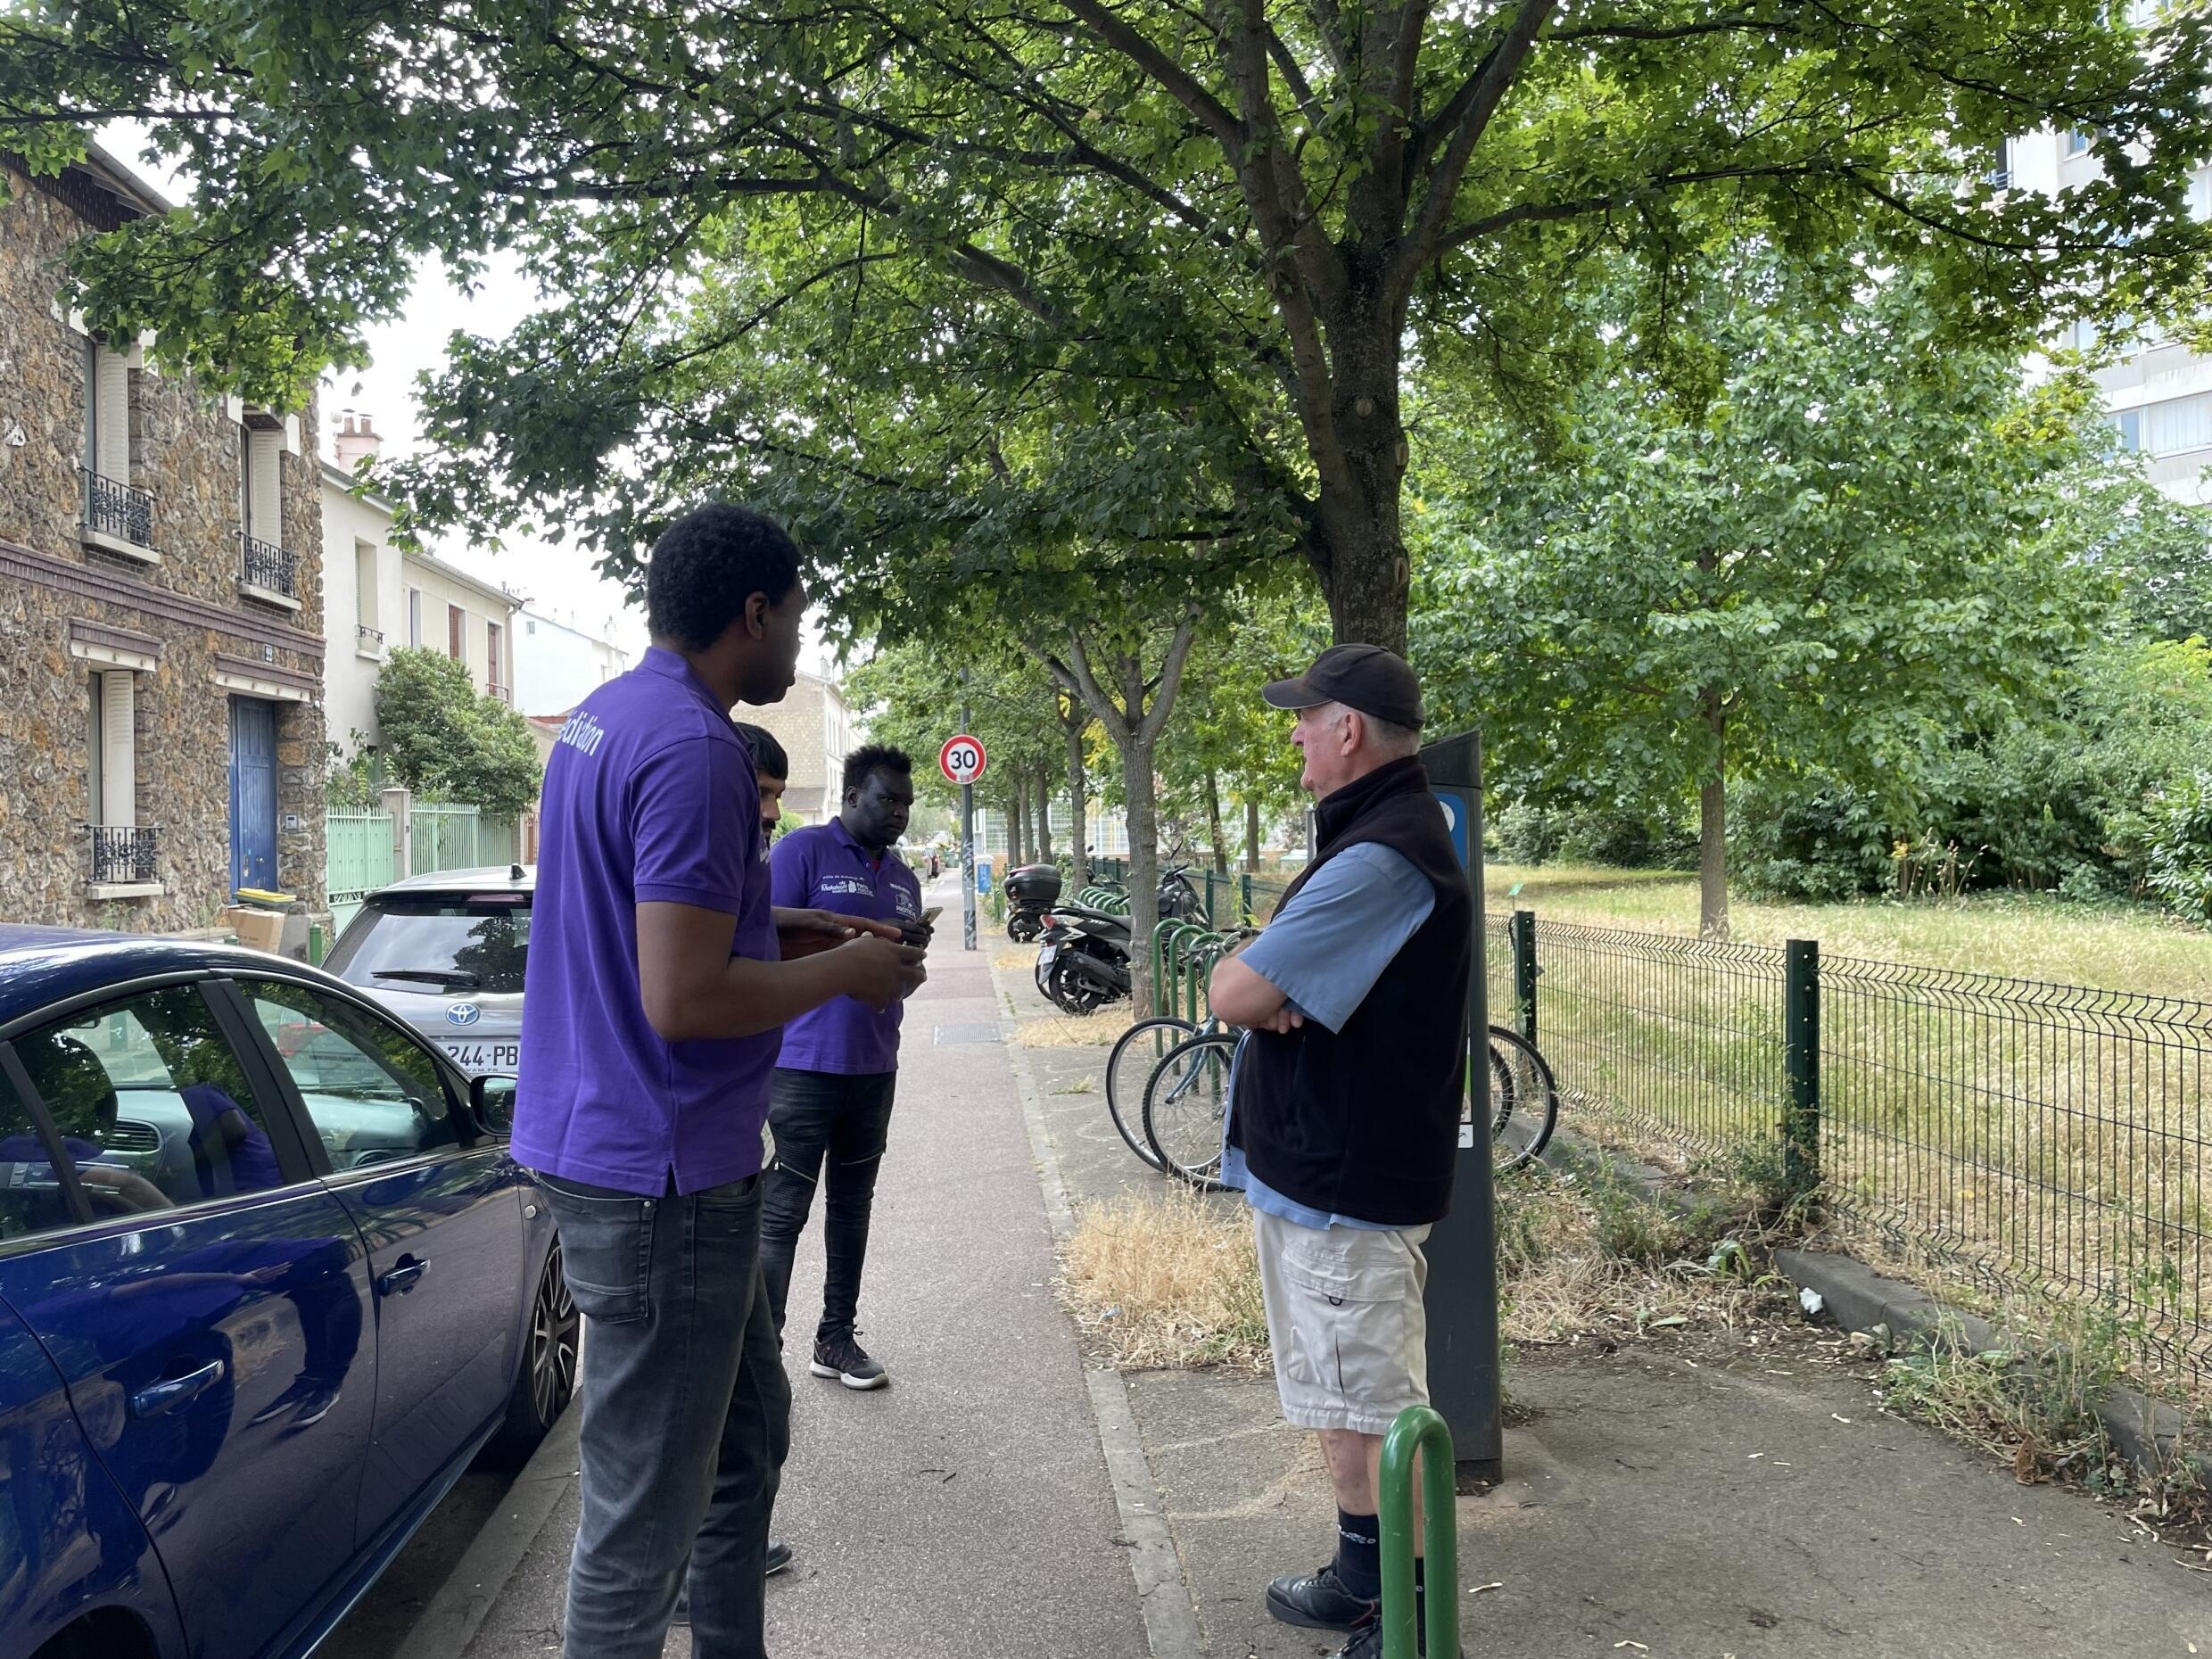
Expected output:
(1364, 677)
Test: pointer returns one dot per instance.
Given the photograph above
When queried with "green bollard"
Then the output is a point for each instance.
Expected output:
(314, 944)
(1419, 1429)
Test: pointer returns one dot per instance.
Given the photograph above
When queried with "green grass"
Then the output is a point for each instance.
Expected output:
(2023, 936)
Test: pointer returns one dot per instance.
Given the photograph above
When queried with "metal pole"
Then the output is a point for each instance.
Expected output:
(967, 839)
(1524, 969)
(1419, 1431)
(1801, 1019)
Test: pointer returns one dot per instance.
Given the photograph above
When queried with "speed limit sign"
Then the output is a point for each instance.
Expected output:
(962, 760)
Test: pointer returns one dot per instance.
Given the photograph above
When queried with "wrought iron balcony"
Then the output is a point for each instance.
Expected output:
(505, 694)
(270, 567)
(116, 509)
(372, 637)
(124, 852)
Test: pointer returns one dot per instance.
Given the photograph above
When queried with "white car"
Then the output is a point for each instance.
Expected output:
(445, 952)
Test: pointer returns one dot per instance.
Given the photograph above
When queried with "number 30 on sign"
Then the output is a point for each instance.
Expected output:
(962, 760)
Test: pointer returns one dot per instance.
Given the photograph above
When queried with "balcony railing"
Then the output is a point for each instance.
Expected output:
(506, 694)
(370, 639)
(124, 852)
(116, 509)
(270, 567)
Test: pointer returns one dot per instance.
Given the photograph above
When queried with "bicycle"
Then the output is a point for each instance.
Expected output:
(1187, 1095)
(1135, 1055)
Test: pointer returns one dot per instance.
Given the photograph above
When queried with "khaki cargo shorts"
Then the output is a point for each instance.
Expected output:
(1346, 1321)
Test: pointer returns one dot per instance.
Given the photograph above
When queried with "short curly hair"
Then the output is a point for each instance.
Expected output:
(707, 564)
(870, 758)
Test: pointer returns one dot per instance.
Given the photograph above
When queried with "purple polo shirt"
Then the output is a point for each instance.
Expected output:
(649, 796)
(822, 867)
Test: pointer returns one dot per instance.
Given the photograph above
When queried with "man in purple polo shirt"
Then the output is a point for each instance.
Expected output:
(654, 1002)
(829, 1104)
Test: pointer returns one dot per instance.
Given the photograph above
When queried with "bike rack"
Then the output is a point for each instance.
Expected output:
(1419, 1429)
(1170, 939)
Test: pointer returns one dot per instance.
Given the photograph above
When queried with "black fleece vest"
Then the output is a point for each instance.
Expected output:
(1365, 1122)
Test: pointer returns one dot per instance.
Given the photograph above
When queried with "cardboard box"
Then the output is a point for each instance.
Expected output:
(262, 929)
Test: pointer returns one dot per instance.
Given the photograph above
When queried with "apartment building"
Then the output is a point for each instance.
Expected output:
(160, 607)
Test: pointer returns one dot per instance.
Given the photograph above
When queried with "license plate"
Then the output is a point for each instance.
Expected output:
(1047, 957)
(486, 1059)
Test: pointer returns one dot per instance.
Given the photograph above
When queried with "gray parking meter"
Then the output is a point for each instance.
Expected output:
(1463, 1247)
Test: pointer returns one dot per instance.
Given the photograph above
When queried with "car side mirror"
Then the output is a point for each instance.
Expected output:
(492, 1100)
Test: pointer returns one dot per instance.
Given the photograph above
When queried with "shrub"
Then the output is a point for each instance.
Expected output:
(2179, 856)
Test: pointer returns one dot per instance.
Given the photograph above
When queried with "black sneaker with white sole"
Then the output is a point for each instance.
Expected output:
(848, 1361)
(778, 1559)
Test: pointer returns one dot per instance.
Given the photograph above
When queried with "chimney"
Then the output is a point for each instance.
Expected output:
(358, 439)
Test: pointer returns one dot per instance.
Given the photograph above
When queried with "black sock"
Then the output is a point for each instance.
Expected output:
(1359, 1555)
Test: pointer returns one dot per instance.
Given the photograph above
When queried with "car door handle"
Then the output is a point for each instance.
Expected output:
(401, 1279)
(157, 1397)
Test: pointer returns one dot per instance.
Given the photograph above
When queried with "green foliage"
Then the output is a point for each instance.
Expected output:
(349, 782)
(444, 740)
(2178, 865)
(1173, 260)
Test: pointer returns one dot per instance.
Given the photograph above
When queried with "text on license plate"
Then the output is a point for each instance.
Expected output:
(1048, 956)
(499, 1058)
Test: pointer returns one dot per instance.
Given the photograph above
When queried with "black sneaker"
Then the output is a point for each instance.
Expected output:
(842, 1357)
(1365, 1643)
(779, 1561)
(1318, 1601)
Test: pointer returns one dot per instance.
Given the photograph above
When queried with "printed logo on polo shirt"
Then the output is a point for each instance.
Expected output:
(844, 884)
(908, 905)
(581, 731)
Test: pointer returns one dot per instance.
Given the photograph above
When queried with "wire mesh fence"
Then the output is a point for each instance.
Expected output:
(2028, 1137)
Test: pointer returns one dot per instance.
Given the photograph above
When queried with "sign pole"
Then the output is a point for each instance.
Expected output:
(967, 839)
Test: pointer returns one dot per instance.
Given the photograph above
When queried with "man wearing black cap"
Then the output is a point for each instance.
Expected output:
(1344, 1115)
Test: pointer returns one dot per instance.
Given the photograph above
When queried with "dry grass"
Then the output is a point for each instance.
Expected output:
(1021, 956)
(1166, 1279)
(1097, 1030)
(2026, 936)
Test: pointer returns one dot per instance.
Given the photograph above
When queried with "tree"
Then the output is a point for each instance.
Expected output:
(1859, 546)
(442, 738)
(1261, 210)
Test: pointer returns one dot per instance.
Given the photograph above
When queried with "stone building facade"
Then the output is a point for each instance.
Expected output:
(815, 727)
(162, 730)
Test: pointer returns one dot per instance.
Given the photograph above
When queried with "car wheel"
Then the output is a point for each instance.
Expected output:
(548, 1379)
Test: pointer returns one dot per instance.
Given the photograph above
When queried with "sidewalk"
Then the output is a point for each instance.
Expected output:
(1703, 1497)
(964, 1511)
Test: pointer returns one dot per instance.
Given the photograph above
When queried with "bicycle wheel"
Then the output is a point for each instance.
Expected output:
(1524, 1100)
(1186, 1099)
(1135, 1052)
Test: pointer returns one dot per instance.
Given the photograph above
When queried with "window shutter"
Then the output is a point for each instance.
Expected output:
(92, 756)
(112, 417)
(118, 786)
(266, 520)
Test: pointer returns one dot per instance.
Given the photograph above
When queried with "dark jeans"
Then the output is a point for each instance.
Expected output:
(829, 1130)
(687, 1417)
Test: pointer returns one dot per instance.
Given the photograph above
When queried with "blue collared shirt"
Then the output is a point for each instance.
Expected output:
(1325, 951)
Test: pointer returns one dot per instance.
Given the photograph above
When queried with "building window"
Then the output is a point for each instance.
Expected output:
(456, 633)
(2077, 142)
(495, 668)
(414, 617)
(122, 851)
(112, 507)
(369, 620)
(2130, 424)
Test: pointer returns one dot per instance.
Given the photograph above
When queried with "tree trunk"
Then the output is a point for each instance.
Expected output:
(1251, 837)
(1043, 796)
(1017, 826)
(1361, 455)
(1143, 808)
(1078, 812)
(1214, 824)
(1713, 894)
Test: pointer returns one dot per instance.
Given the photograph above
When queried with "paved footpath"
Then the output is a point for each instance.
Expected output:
(965, 1510)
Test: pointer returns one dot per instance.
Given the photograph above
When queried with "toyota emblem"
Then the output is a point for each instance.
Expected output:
(463, 1013)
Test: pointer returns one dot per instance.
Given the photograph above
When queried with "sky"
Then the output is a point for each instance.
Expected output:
(558, 581)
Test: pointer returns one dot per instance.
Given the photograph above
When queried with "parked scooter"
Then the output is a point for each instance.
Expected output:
(1030, 891)
(1084, 963)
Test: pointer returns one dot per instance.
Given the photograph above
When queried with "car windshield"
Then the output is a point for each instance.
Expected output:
(473, 942)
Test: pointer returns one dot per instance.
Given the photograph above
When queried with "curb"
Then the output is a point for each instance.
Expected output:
(1171, 1626)
(449, 1623)
(2141, 1430)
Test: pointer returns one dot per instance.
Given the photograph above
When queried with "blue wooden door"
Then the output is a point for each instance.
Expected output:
(252, 793)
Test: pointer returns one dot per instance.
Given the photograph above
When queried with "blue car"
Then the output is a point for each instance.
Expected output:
(269, 1281)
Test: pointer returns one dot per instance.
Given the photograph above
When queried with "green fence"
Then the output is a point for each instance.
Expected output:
(1233, 899)
(360, 861)
(448, 837)
(2040, 1138)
